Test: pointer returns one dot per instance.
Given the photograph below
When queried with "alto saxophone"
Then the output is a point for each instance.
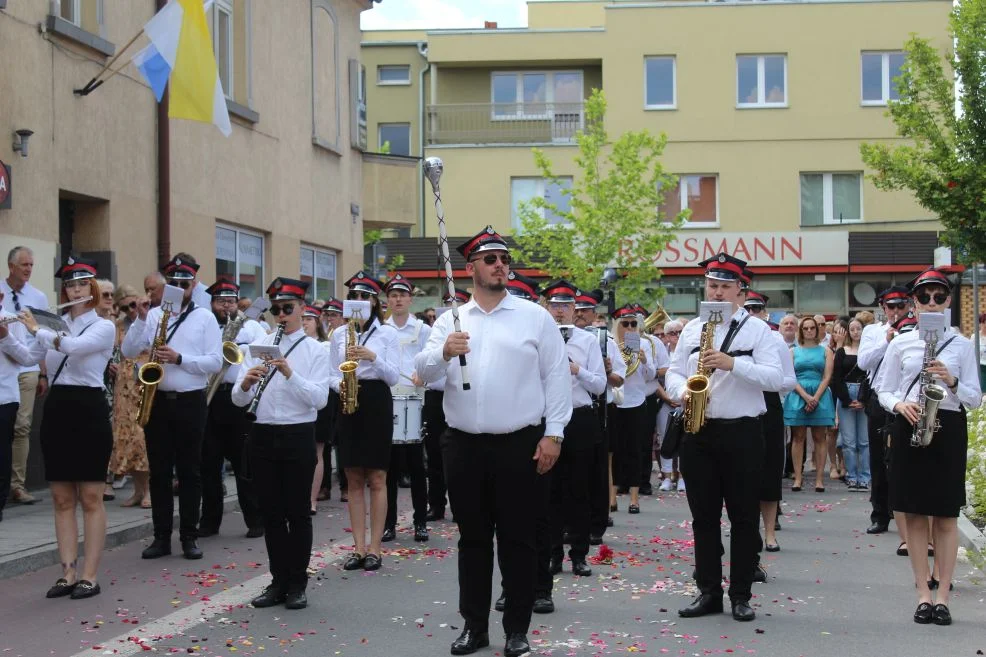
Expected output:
(349, 386)
(930, 395)
(231, 352)
(151, 373)
(698, 383)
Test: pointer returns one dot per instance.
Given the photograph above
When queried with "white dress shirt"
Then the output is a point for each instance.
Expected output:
(518, 369)
(657, 354)
(619, 367)
(198, 340)
(872, 346)
(379, 338)
(635, 385)
(903, 360)
(14, 354)
(412, 338)
(250, 333)
(295, 400)
(87, 353)
(29, 296)
(787, 364)
(739, 392)
(583, 349)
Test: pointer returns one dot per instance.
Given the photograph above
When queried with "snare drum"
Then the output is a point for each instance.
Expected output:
(407, 419)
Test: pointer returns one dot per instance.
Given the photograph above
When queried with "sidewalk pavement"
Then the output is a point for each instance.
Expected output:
(27, 533)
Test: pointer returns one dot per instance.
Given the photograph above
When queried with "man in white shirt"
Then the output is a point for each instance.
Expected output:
(723, 461)
(192, 350)
(824, 336)
(413, 335)
(13, 355)
(19, 294)
(505, 431)
(227, 425)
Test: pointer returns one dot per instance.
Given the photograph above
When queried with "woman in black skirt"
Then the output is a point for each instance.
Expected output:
(76, 436)
(954, 368)
(365, 435)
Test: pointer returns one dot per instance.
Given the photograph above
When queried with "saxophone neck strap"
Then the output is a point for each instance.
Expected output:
(918, 376)
(61, 365)
(734, 328)
(181, 318)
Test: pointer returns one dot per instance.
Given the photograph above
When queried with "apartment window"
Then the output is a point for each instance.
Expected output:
(536, 95)
(222, 40)
(525, 189)
(71, 11)
(831, 198)
(398, 135)
(659, 83)
(698, 193)
(240, 258)
(318, 268)
(393, 75)
(879, 70)
(761, 80)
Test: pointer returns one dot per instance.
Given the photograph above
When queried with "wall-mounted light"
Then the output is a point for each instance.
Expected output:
(21, 138)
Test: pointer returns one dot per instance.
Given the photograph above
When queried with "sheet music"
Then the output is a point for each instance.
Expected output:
(257, 308)
(354, 308)
(931, 324)
(723, 310)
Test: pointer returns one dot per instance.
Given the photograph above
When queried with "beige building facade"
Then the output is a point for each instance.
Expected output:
(283, 195)
(765, 105)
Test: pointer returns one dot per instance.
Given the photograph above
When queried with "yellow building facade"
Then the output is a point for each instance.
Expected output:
(765, 105)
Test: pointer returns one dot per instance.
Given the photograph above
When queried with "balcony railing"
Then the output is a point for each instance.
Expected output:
(504, 123)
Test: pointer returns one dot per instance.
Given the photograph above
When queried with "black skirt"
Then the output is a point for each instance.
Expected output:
(630, 433)
(325, 422)
(76, 435)
(944, 461)
(774, 453)
(364, 438)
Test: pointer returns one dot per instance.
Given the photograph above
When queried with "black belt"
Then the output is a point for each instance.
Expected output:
(225, 386)
(588, 408)
(732, 420)
(174, 394)
(434, 393)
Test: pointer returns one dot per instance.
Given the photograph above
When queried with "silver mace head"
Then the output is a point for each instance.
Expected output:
(433, 170)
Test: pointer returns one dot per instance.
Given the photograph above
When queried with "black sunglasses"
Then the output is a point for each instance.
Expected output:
(183, 283)
(17, 304)
(491, 258)
(896, 305)
(672, 333)
(924, 298)
(629, 324)
(277, 309)
(356, 294)
(132, 305)
(107, 295)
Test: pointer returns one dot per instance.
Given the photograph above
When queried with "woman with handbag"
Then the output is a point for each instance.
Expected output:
(847, 378)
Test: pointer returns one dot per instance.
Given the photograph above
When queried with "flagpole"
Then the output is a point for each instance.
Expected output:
(92, 85)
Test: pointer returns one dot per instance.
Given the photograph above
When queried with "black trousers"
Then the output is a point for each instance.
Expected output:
(651, 406)
(434, 420)
(225, 438)
(492, 480)
(414, 464)
(599, 474)
(283, 459)
(570, 482)
(8, 415)
(879, 482)
(722, 463)
(174, 438)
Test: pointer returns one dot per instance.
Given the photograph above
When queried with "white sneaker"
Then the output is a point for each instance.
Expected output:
(681, 485)
(667, 485)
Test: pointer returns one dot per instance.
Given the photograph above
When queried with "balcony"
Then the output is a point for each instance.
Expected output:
(504, 123)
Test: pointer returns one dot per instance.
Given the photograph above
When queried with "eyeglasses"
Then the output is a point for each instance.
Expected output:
(106, 295)
(17, 304)
(672, 333)
(491, 258)
(225, 301)
(629, 324)
(924, 298)
(896, 305)
(132, 305)
(357, 294)
(277, 309)
(755, 307)
(809, 328)
(183, 283)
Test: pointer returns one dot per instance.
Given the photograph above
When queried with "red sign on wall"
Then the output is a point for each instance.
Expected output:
(5, 198)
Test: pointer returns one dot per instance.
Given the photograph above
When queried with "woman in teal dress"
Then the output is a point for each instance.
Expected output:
(810, 404)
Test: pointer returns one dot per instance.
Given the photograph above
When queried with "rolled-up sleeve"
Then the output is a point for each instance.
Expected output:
(429, 363)
(555, 377)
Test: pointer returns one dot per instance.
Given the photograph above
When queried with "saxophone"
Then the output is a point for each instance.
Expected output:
(930, 395)
(630, 358)
(231, 352)
(349, 386)
(151, 373)
(251, 411)
(698, 383)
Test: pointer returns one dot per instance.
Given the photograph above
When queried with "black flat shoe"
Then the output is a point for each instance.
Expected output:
(205, 532)
(819, 489)
(646, 490)
(772, 547)
(777, 525)
(760, 574)
(595, 539)
(516, 645)
(742, 611)
(633, 508)
(272, 595)
(435, 515)
(296, 600)
(543, 604)
(902, 550)
(84, 589)
(703, 605)
(354, 562)
(581, 568)
(313, 512)
(923, 614)
(555, 566)
(934, 583)
(190, 550)
(940, 614)
(61, 589)
(255, 532)
(877, 528)
(795, 489)
(421, 533)
(372, 562)
(160, 547)
(469, 642)
(501, 602)
(388, 535)
(612, 508)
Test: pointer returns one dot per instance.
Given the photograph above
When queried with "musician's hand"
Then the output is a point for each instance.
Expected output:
(938, 369)
(114, 369)
(891, 332)
(253, 375)
(363, 353)
(608, 365)
(573, 367)
(546, 454)
(42, 388)
(282, 366)
(416, 380)
(642, 356)
(456, 344)
(143, 305)
(909, 410)
(166, 354)
(673, 404)
(717, 360)
(28, 320)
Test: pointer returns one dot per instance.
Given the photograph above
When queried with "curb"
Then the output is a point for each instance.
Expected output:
(42, 556)
(973, 541)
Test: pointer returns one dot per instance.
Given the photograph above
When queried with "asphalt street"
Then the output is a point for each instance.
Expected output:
(833, 591)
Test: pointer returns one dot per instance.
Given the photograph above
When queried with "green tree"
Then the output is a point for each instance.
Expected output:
(944, 161)
(614, 217)
(395, 262)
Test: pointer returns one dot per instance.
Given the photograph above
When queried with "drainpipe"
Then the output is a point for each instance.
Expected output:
(163, 174)
(423, 51)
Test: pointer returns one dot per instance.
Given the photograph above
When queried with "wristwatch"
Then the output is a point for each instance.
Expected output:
(556, 439)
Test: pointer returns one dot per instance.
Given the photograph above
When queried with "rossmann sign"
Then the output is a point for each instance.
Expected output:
(793, 249)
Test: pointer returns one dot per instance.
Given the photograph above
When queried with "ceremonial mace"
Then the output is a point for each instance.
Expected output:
(433, 169)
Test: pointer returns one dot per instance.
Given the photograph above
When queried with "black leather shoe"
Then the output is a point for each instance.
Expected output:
(543, 604)
(703, 605)
(760, 574)
(777, 524)
(877, 528)
(86, 589)
(435, 514)
(272, 595)
(60, 589)
(555, 566)
(421, 532)
(595, 539)
(566, 538)
(924, 613)
(581, 568)
(354, 562)
(517, 645)
(160, 547)
(190, 550)
(742, 611)
(372, 562)
(388, 535)
(633, 508)
(647, 490)
(609, 521)
(940, 614)
(469, 642)
(255, 532)
(501, 602)
(205, 532)
(296, 600)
